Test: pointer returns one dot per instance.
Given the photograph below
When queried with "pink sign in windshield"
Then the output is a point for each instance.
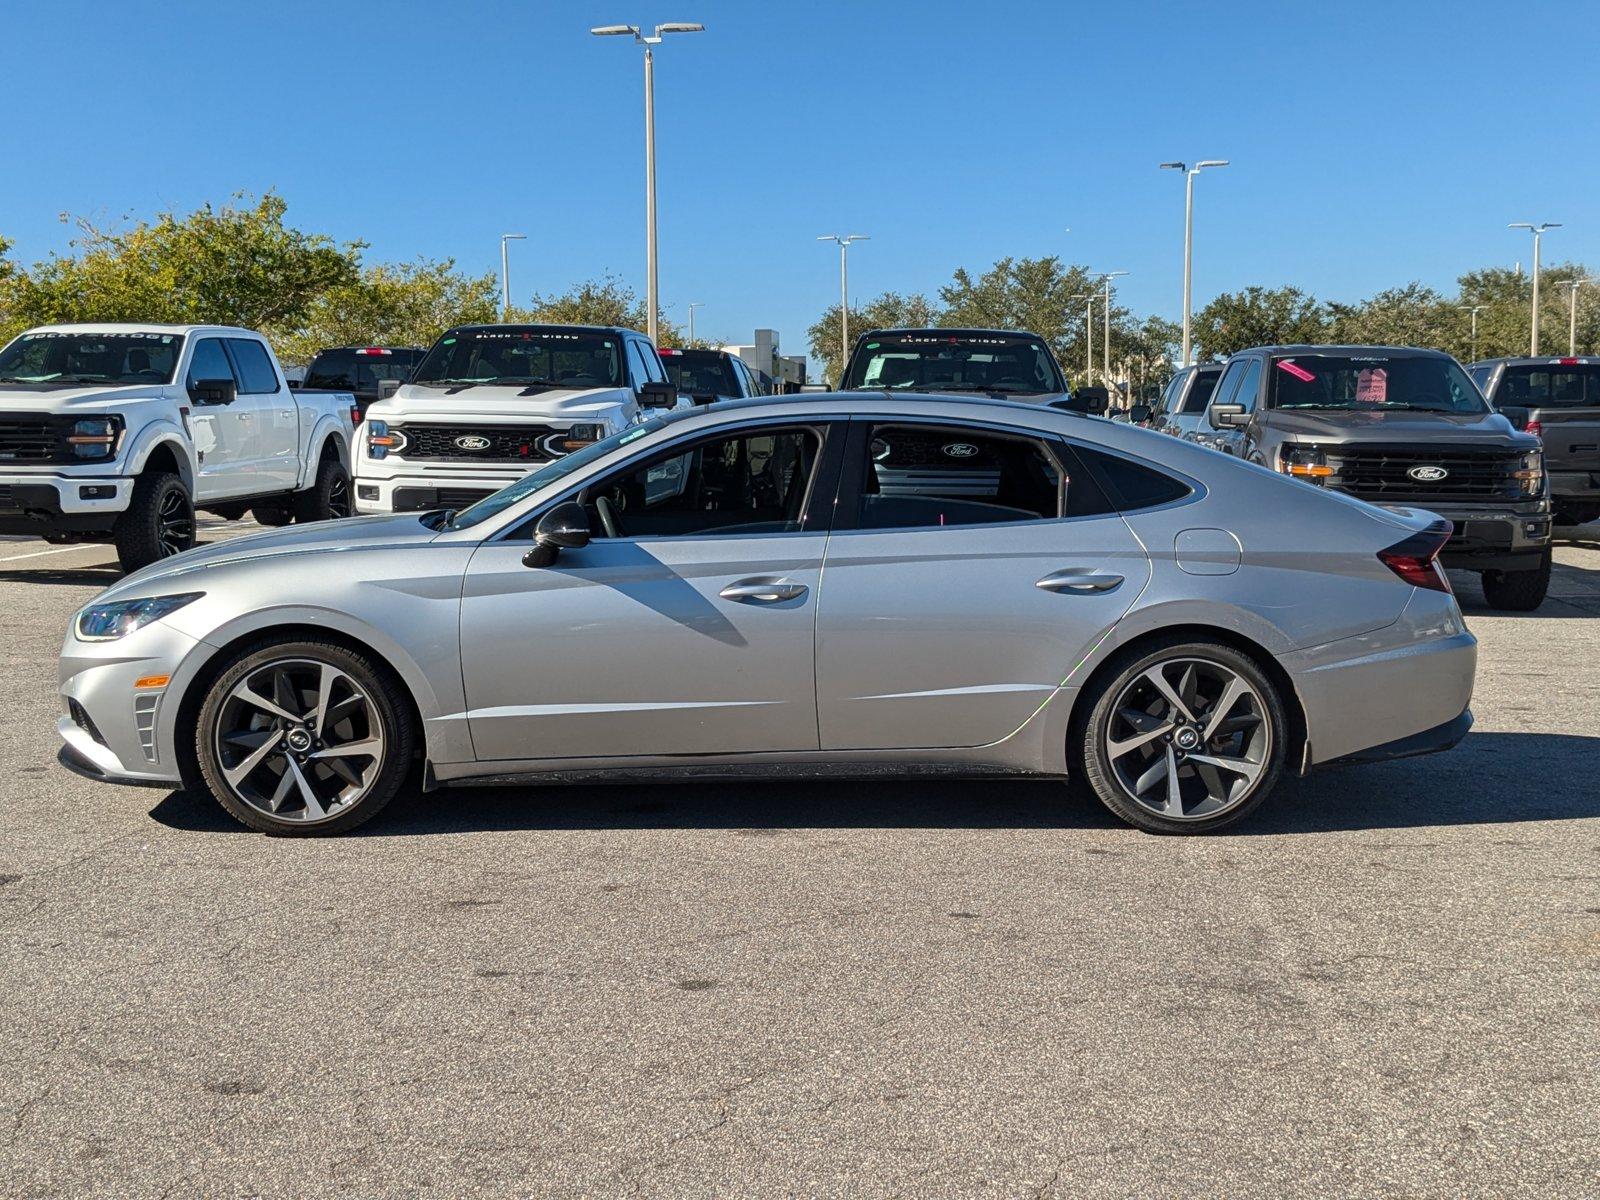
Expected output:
(1372, 386)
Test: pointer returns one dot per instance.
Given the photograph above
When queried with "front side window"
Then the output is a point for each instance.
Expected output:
(210, 362)
(1205, 382)
(933, 360)
(256, 376)
(917, 476)
(530, 356)
(1568, 385)
(1373, 383)
(752, 482)
(80, 358)
(1249, 386)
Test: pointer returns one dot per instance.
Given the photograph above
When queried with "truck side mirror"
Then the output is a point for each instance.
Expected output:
(658, 395)
(1140, 414)
(564, 527)
(1224, 416)
(212, 391)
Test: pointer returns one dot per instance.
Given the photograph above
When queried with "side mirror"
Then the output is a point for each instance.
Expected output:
(1224, 416)
(387, 388)
(564, 527)
(212, 391)
(658, 395)
(1140, 414)
(296, 384)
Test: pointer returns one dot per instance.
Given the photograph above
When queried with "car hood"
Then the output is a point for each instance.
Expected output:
(85, 399)
(431, 403)
(321, 537)
(1485, 429)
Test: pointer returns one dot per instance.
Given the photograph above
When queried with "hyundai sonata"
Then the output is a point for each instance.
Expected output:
(817, 585)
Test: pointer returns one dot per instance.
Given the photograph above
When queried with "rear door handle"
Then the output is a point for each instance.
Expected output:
(763, 591)
(1078, 579)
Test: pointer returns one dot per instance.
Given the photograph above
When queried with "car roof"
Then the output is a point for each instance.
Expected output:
(1353, 350)
(138, 327)
(866, 400)
(616, 329)
(1543, 360)
(952, 331)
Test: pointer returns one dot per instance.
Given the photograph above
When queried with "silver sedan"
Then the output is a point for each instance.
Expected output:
(816, 585)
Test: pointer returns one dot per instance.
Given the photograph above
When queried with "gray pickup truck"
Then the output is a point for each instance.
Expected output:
(1558, 400)
(1403, 428)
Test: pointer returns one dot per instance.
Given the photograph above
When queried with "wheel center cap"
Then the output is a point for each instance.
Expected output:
(1186, 738)
(298, 740)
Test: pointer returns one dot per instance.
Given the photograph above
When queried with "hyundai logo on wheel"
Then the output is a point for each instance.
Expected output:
(1426, 474)
(960, 450)
(472, 441)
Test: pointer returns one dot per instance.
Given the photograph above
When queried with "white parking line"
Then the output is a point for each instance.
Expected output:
(40, 553)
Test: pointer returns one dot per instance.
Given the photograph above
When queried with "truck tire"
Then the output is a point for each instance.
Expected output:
(158, 522)
(1518, 591)
(1577, 512)
(328, 499)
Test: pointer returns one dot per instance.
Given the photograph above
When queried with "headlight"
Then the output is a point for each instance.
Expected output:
(1306, 463)
(95, 438)
(108, 622)
(1530, 473)
(575, 438)
(384, 439)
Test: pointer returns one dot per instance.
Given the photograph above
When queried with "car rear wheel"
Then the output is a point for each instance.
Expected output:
(1183, 737)
(1518, 591)
(304, 738)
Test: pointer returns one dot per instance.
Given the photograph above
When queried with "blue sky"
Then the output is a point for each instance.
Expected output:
(1372, 143)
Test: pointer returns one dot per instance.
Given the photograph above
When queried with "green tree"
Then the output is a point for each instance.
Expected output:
(604, 301)
(1259, 317)
(1508, 299)
(1412, 315)
(889, 311)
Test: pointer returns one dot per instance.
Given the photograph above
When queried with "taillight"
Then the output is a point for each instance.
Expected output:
(355, 414)
(1534, 428)
(1416, 559)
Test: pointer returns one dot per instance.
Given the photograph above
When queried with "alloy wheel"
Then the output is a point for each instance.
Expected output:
(299, 740)
(339, 498)
(1188, 738)
(174, 523)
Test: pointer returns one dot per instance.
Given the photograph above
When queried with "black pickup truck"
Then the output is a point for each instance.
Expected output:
(1404, 428)
(1557, 399)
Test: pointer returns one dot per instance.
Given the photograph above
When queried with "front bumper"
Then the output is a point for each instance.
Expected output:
(1509, 538)
(1575, 484)
(37, 504)
(418, 491)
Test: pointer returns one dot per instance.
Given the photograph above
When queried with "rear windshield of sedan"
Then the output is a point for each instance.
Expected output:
(532, 355)
(1376, 382)
(65, 359)
(936, 361)
(700, 372)
(1550, 385)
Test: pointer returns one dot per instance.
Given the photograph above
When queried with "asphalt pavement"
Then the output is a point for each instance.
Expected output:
(1386, 983)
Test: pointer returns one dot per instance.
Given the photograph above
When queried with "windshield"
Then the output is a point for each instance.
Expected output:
(938, 361)
(524, 354)
(1550, 385)
(559, 469)
(359, 370)
(1373, 383)
(84, 356)
(700, 372)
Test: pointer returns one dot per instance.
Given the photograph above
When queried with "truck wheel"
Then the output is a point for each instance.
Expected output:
(329, 498)
(158, 523)
(271, 514)
(1577, 512)
(1518, 591)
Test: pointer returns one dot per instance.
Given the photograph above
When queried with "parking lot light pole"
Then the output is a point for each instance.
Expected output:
(1088, 336)
(1188, 236)
(1108, 276)
(693, 304)
(1474, 309)
(505, 271)
(649, 42)
(1538, 232)
(844, 291)
(1572, 313)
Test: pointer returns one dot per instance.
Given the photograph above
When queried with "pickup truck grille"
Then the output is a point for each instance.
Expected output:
(1383, 473)
(507, 443)
(36, 439)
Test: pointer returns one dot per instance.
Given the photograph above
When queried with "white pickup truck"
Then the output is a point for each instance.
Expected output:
(489, 403)
(117, 433)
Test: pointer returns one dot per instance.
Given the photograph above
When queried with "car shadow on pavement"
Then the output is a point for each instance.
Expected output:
(102, 577)
(1490, 779)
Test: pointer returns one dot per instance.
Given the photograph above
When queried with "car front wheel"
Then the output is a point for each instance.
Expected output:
(304, 738)
(1183, 737)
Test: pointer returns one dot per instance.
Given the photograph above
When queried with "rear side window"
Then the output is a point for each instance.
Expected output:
(921, 476)
(1550, 386)
(256, 376)
(1200, 393)
(1132, 485)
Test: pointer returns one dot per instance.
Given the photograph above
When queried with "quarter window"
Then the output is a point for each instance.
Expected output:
(256, 376)
(917, 476)
(1131, 485)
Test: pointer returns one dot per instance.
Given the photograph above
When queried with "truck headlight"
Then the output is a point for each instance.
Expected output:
(1306, 463)
(575, 438)
(95, 438)
(108, 622)
(1530, 473)
(384, 439)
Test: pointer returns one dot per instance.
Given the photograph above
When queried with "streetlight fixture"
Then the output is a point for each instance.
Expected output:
(1188, 235)
(1088, 335)
(693, 304)
(649, 42)
(1474, 309)
(1538, 232)
(1108, 276)
(844, 290)
(1572, 313)
(505, 271)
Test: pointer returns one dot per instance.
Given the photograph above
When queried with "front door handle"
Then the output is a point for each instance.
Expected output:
(1078, 579)
(763, 591)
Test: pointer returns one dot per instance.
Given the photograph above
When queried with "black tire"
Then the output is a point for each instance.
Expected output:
(388, 718)
(1091, 761)
(1518, 591)
(328, 499)
(272, 514)
(1577, 512)
(158, 522)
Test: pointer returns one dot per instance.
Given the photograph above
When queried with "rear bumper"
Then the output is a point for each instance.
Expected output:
(1429, 741)
(1576, 484)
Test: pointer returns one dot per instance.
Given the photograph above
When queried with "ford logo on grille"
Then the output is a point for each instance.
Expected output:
(960, 450)
(472, 441)
(1427, 474)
